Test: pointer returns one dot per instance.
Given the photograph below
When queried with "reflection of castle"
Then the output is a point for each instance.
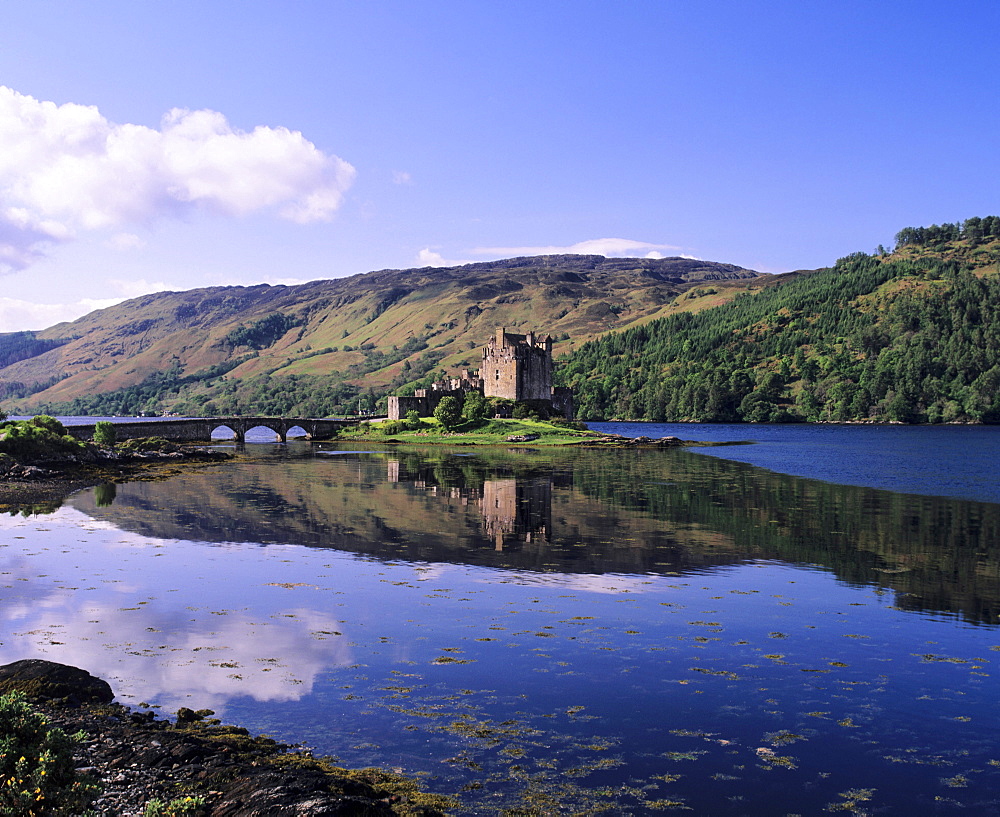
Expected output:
(517, 508)
(513, 510)
(515, 367)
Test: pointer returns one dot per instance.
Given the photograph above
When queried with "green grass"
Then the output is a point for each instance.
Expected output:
(484, 432)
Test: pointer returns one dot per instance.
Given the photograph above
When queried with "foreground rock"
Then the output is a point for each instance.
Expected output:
(139, 757)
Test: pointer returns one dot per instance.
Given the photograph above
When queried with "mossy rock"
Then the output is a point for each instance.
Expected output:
(141, 445)
(39, 679)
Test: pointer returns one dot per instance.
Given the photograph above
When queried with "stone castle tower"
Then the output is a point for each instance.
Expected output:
(518, 367)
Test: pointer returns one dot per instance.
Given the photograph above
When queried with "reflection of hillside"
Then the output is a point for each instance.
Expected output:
(584, 511)
(937, 554)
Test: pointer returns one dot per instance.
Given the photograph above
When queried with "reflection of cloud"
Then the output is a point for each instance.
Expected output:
(585, 582)
(178, 657)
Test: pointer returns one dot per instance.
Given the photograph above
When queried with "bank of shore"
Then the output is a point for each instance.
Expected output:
(42, 486)
(221, 771)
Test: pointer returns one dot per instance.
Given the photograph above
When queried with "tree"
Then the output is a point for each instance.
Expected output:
(104, 433)
(448, 411)
(475, 407)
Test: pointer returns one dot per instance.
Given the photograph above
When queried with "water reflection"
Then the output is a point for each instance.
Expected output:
(513, 509)
(594, 512)
(665, 630)
(112, 608)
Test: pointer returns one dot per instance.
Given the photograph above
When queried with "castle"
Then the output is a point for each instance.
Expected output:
(515, 367)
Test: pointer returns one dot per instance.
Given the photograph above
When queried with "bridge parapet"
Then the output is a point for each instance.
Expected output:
(200, 429)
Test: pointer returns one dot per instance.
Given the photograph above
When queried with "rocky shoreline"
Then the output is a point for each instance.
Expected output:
(42, 486)
(138, 758)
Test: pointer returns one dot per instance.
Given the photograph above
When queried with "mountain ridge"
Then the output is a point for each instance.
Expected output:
(373, 331)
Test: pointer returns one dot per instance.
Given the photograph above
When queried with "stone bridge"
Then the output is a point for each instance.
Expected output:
(200, 429)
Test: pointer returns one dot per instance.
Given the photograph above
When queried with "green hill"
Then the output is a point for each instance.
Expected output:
(911, 336)
(316, 348)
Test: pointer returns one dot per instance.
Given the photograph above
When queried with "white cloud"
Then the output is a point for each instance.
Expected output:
(610, 247)
(66, 169)
(17, 315)
(430, 258)
(125, 242)
(134, 287)
(401, 177)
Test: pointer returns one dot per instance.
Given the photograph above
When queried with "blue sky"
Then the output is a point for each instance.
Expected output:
(148, 146)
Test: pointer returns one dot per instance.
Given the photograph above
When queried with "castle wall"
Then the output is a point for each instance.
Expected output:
(399, 407)
(424, 403)
(562, 401)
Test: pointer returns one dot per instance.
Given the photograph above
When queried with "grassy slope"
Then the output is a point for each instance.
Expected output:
(717, 293)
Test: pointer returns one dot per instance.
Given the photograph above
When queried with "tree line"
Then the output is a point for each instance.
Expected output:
(974, 230)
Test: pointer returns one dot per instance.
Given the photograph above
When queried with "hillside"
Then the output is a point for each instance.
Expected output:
(315, 348)
(907, 336)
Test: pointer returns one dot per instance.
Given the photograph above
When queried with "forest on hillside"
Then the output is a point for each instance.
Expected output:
(881, 338)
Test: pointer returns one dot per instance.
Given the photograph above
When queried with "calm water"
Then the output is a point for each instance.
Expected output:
(944, 460)
(565, 630)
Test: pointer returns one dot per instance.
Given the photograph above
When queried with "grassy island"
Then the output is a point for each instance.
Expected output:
(476, 432)
(534, 432)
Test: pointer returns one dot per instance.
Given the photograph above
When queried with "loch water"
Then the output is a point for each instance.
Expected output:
(798, 625)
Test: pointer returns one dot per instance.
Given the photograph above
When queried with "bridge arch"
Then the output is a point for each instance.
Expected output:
(234, 433)
(278, 429)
